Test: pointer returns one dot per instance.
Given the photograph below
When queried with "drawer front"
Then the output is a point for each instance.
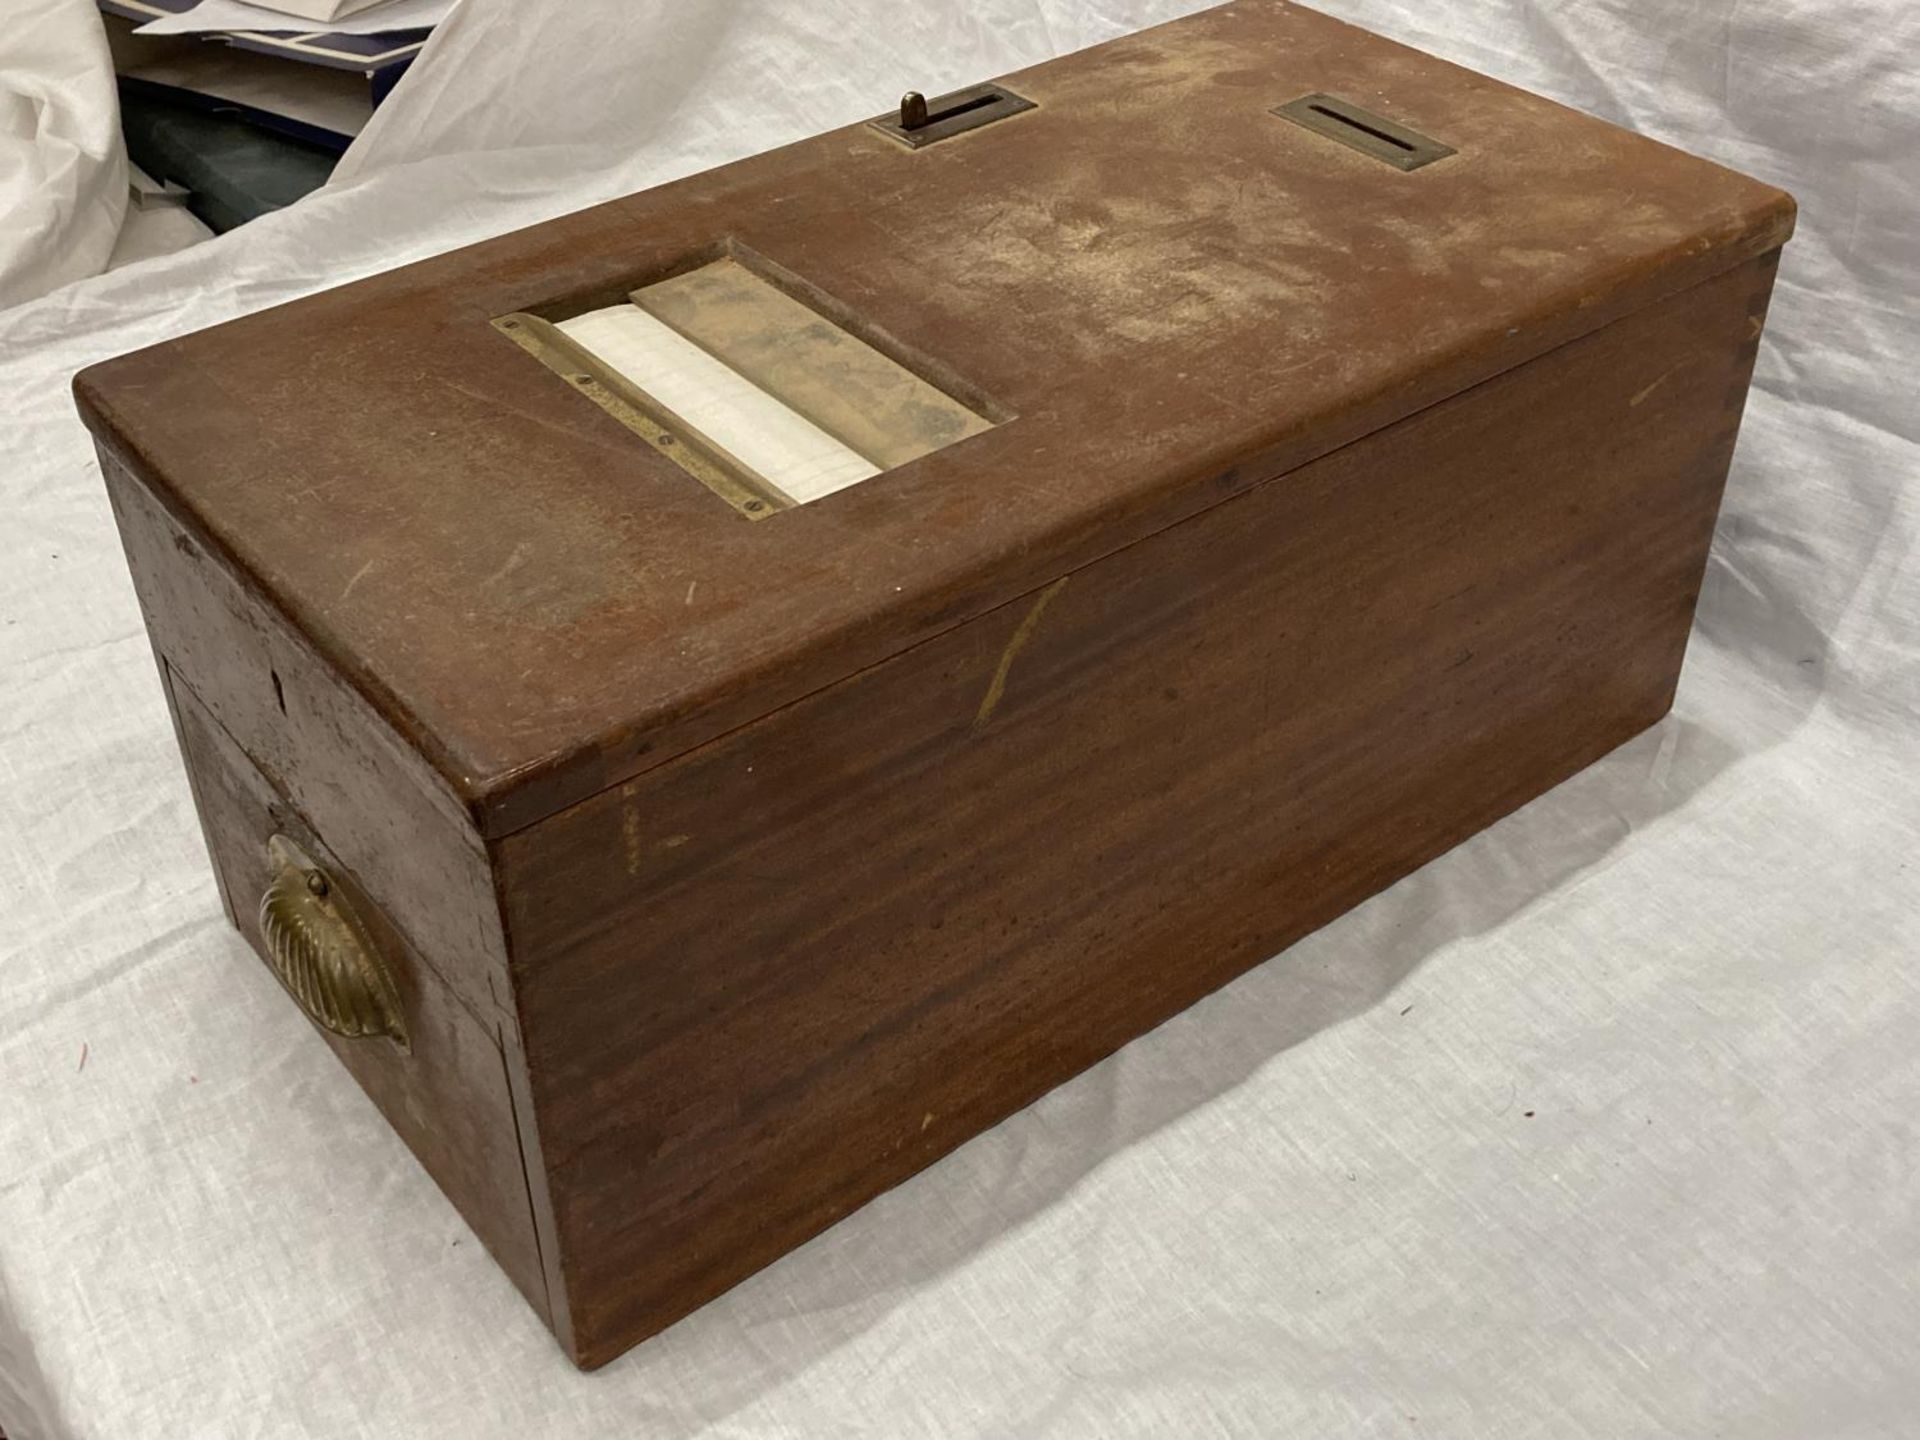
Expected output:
(438, 1072)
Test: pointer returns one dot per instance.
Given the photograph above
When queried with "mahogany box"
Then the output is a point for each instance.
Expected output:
(711, 701)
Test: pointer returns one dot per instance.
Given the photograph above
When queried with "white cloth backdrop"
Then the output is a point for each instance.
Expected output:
(63, 170)
(1602, 1125)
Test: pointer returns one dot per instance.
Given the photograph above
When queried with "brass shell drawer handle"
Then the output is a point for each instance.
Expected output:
(322, 953)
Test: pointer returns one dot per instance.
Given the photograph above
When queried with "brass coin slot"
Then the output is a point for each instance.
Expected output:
(1362, 130)
(922, 121)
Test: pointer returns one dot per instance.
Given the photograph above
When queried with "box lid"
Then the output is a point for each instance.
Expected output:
(1174, 291)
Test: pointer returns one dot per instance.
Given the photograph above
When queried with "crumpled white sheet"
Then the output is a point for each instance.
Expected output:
(63, 170)
(1602, 1125)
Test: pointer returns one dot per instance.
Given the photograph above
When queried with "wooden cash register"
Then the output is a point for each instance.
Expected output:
(711, 701)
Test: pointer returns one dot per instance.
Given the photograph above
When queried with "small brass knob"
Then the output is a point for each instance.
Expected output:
(321, 952)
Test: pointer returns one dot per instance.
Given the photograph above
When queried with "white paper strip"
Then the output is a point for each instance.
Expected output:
(784, 446)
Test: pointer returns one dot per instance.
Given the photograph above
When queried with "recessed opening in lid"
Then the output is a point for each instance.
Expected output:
(760, 396)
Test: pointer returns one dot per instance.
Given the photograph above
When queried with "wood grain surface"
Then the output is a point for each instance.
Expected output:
(766, 981)
(1171, 288)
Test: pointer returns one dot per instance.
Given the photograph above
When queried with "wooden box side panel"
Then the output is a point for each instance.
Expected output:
(448, 1094)
(771, 979)
(268, 729)
(353, 780)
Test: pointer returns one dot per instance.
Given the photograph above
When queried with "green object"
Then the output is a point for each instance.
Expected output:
(235, 170)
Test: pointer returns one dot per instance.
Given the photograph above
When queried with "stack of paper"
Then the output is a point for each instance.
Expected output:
(342, 17)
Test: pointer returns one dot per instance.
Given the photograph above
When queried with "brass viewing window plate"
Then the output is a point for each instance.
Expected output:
(768, 400)
(751, 494)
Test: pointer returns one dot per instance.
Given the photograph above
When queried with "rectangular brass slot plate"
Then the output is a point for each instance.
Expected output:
(1364, 131)
(758, 395)
(948, 115)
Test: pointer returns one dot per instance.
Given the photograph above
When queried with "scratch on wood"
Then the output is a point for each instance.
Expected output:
(358, 575)
(512, 563)
(1021, 636)
(1659, 380)
(630, 837)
